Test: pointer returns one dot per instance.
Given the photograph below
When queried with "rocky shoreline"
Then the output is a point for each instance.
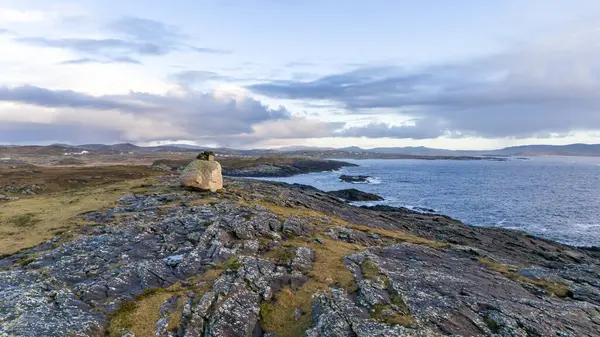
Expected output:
(272, 259)
(300, 166)
(264, 167)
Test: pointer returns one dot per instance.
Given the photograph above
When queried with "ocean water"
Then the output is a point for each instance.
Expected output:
(552, 197)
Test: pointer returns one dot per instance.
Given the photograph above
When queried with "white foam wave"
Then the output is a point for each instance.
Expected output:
(374, 180)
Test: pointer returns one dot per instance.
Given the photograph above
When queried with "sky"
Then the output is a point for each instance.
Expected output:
(465, 74)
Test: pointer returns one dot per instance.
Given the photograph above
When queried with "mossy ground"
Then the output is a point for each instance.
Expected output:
(140, 316)
(556, 289)
(66, 193)
(279, 315)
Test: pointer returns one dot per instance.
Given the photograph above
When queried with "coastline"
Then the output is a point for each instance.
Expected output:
(290, 260)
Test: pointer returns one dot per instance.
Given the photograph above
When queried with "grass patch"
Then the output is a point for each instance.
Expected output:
(280, 255)
(24, 220)
(396, 235)
(279, 316)
(233, 264)
(400, 236)
(28, 259)
(386, 314)
(44, 215)
(140, 316)
(556, 289)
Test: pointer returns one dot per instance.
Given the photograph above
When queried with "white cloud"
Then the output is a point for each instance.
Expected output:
(8, 15)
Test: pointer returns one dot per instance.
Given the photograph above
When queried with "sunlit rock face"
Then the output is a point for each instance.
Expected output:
(204, 175)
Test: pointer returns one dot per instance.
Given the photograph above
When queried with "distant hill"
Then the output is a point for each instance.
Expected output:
(560, 150)
(348, 152)
(525, 150)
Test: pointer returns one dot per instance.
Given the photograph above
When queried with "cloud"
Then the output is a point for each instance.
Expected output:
(16, 16)
(121, 59)
(136, 36)
(421, 129)
(43, 133)
(280, 130)
(43, 97)
(547, 87)
(139, 116)
(190, 77)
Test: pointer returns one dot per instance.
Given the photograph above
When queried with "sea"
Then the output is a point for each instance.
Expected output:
(552, 197)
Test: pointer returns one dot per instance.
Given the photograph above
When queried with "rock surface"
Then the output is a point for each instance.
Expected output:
(353, 194)
(270, 259)
(203, 175)
(354, 179)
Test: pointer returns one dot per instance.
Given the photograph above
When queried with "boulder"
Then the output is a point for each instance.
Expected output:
(203, 175)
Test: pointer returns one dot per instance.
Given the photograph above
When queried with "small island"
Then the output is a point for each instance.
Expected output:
(354, 179)
(353, 194)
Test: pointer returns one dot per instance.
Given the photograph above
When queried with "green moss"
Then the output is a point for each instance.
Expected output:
(492, 325)
(26, 260)
(386, 314)
(280, 254)
(233, 264)
(399, 302)
(370, 270)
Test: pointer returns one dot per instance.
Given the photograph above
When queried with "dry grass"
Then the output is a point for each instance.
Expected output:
(556, 289)
(140, 317)
(396, 235)
(30, 221)
(400, 236)
(279, 316)
(61, 179)
(386, 314)
(23, 220)
(328, 270)
(288, 211)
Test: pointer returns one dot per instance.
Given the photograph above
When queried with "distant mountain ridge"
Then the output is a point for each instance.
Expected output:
(524, 150)
(353, 151)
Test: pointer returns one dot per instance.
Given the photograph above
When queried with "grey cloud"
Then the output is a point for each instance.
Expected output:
(43, 97)
(135, 36)
(101, 46)
(420, 130)
(146, 30)
(547, 88)
(39, 133)
(198, 114)
(293, 128)
(87, 60)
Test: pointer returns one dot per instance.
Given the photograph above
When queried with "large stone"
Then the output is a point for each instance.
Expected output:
(203, 174)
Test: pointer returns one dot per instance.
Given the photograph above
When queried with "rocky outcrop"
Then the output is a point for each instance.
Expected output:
(265, 259)
(353, 194)
(354, 179)
(298, 166)
(203, 175)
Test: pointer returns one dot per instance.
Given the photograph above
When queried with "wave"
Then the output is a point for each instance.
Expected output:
(374, 180)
